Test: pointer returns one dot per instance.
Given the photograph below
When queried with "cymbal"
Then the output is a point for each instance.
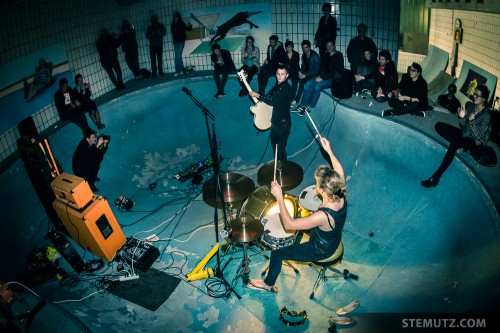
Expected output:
(288, 174)
(246, 229)
(234, 187)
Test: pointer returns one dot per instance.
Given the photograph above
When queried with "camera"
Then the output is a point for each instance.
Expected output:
(104, 137)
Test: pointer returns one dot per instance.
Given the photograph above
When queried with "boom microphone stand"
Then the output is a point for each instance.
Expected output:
(218, 191)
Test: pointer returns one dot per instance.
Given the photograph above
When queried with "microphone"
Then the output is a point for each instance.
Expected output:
(186, 90)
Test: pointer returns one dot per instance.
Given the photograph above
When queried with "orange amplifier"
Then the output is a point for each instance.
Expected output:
(72, 190)
(94, 227)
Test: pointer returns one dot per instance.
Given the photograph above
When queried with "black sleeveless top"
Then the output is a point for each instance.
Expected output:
(326, 242)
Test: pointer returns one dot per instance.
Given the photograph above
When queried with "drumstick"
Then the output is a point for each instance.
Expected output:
(314, 125)
(275, 161)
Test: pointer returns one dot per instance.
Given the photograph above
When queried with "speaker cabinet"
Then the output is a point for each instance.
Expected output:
(72, 190)
(93, 227)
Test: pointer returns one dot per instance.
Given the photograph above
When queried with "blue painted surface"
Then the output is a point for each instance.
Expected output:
(431, 251)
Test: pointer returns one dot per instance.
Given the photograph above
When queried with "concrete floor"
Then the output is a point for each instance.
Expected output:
(415, 250)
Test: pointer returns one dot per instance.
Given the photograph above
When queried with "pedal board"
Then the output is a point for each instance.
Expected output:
(139, 253)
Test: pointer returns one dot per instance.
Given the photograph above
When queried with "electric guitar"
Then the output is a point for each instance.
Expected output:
(262, 112)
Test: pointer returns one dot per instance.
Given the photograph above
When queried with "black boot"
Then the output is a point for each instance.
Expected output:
(431, 182)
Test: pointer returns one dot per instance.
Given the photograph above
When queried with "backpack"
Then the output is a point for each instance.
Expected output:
(342, 86)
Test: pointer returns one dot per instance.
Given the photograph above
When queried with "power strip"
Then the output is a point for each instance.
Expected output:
(128, 278)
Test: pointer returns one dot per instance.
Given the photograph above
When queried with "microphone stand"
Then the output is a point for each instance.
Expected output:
(218, 192)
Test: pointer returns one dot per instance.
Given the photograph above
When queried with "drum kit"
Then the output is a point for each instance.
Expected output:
(254, 212)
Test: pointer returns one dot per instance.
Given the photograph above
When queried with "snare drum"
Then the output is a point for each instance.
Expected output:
(262, 202)
(274, 235)
(309, 200)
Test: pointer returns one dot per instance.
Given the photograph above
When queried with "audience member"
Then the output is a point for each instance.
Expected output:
(357, 45)
(292, 61)
(279, 97)
(331, 69)
(88, 156)
(130, 47)
(475, 127)
(325, 225)
(83, 100)
(412, 97)
(327, 30)
(449, 101)
(223, 66)
(364, 77)
(386, 78)
(64, 99)
(155, 33)
(108, 55)
(179, 29)
(250, 58)
(309, 68)
(42, 79)
(275, 52)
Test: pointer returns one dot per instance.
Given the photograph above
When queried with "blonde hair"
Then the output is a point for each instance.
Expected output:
(329, 181)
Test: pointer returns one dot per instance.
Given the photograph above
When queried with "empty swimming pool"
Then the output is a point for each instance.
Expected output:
(414, 249)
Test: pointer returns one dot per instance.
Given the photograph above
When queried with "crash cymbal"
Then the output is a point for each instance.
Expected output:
(235, 188)
(245, 229)
(288, 174)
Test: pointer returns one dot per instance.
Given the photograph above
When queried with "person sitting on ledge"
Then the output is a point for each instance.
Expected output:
(326, 223)
(475, 129)
(67, 108)
(83, 100)
(42, 79)
(386, 78)
(413, 96)
(449, 101)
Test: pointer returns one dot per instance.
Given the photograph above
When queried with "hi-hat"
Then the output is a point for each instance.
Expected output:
(245, 229)
(288, 174)
(234, 187)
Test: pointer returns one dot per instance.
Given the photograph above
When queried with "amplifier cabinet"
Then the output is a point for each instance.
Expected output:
(94, 227)
(72, 190)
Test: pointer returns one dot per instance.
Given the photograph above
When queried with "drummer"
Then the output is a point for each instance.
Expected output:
(326, 223)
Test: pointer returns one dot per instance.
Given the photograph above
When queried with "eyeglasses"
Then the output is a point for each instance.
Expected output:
(477, 96)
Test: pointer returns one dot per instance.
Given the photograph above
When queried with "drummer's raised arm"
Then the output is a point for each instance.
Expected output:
(335, 162)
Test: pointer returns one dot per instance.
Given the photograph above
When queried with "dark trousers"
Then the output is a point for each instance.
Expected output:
(251, 71)
(77, 117)
(111, 68)
(220, 78)
(156, 54)
(279, 136)
(266, 71)
(300, 89)
(132, 59)
(399, 107)
(299, 252)
(455, 136)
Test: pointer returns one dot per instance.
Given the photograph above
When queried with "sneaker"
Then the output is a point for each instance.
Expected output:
(221, 95)
(293, 104)
(387, 113)
(420, 114)
(176, 74)
(299, 109)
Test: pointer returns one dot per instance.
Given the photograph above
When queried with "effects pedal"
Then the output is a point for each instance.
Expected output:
(195, 169)
(123, 203)
(138, 253)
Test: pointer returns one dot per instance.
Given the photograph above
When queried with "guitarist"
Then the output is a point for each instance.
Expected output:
(279, 97)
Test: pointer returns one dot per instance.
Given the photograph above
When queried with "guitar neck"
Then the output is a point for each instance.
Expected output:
(255, 100)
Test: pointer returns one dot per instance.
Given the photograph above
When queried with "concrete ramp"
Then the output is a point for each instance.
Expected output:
(434, 63)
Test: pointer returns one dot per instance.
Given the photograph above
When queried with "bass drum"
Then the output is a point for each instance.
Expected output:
(274, 235)
(262, 202)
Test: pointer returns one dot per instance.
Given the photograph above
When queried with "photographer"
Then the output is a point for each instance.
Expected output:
(88, 157)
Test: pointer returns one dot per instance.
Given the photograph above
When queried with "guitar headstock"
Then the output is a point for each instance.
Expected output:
(242, 75)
